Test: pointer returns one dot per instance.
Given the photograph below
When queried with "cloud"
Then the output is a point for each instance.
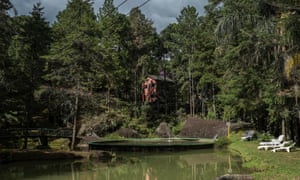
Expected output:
(23, 7)
(51, 7)
(165, 12)
(161, 12)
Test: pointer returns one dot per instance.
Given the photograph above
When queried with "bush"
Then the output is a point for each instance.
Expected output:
(265, 137)
(60, 144)
(113, 136)
(176, 129)
(222, 142)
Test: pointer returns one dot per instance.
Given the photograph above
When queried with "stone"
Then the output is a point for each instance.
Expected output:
(128, 133)
(100, 155)
(163, 130)
(235, 177)
(199, 128)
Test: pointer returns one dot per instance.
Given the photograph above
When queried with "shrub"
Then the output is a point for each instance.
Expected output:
(265, 137)
(176, 129)
(113, 136)
(222, 142)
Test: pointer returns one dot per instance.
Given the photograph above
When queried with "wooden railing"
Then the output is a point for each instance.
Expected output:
(35, 132)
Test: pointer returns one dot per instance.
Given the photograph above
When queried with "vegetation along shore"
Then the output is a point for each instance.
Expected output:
(266, 164)
(103, 74)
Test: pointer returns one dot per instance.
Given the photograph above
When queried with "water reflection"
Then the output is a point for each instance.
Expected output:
(189, 165)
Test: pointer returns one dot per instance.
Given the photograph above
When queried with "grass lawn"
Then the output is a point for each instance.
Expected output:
(267, 164)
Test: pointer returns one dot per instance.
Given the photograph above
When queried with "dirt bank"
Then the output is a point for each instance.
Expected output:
(8, 156)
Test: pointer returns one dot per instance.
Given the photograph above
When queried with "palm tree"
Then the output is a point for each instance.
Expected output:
(292, 74)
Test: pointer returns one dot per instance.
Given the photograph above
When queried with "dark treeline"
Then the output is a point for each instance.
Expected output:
(238, 62)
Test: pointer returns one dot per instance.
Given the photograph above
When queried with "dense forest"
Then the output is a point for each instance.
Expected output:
(239, 61)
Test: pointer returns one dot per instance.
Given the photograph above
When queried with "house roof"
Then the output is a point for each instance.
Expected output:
(160, 78)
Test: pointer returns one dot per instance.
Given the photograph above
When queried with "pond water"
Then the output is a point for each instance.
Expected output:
(187, 165)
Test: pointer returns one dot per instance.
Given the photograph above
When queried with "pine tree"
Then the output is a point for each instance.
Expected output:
(5, 35)
(182, 47)
(71, 54)
(113, 45)
(5, 30)
(29, 43)
(146, 50)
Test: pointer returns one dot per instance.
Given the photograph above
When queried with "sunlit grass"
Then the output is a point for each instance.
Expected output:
(267, 164)
(60, 144)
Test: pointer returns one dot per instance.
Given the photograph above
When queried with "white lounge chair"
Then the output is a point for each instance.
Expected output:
(274, 142)
(249, 135)
(285, 148)
(272, 146)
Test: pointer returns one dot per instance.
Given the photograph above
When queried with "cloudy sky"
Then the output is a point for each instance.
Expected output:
(161, 12)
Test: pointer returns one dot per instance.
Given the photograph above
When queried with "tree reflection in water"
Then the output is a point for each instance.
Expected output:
(189, 165)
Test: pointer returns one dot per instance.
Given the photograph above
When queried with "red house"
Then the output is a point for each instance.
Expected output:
(155, 88)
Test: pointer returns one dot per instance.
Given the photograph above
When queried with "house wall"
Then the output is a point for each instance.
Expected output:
(149, 90)
(160, 93)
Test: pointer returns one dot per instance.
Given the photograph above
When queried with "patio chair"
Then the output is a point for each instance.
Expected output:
(249, 135)
(272, 146)
(277, 141)
(285, 148)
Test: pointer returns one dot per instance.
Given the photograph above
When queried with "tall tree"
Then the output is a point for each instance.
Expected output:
(183, 47)
(5, 30)
(113, 44)
(29, 43)
(246, 41)
(71, 54)
(288, 26)
(5, 35)
(146, 50)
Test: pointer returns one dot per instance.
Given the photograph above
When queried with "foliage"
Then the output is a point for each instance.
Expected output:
(222, 142)
(177, 128)
(29, 40)
(264, 164)
(113, 136)
(291, 67)
(5, 31)
(265, 137)
(238, 62)
(59, 144)
(71, 54)
(145, 54)
(107, 123)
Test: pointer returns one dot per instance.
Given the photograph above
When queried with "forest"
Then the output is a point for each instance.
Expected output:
(239, 62)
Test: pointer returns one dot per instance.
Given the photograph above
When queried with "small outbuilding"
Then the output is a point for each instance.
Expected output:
(155, 86)
(160, 91)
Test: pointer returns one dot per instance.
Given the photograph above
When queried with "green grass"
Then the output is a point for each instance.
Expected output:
(59, 144)
(266, 164)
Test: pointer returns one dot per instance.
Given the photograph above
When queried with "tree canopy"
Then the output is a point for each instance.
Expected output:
(237, 62)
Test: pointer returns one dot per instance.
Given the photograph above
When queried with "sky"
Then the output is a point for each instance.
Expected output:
(161, 12)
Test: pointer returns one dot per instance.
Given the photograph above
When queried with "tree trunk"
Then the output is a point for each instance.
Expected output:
(25, 142)
(108, 100)
(214, 101)
(298, 133)
(29, 113)
(191, 90)
(135, 89)
(44, 141)
(283, 132)
(135, 92)
(75, 118)
(296, 89)
(297, 122)
(193, 98)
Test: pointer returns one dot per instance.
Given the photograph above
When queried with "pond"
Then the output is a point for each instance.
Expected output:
(188, 165)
